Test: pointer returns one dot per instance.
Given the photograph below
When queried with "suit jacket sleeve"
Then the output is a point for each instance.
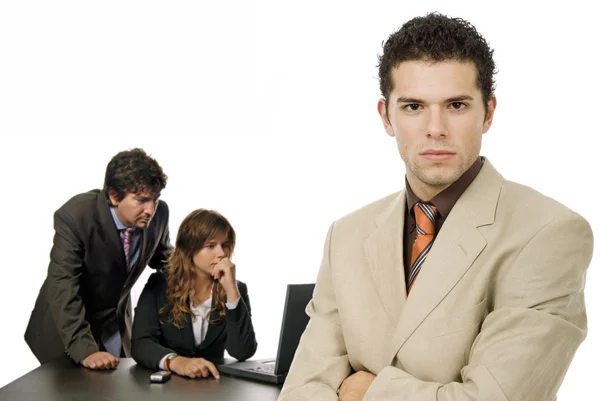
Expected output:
(527, 342)
(64, 275)
(241, 340)
(147, 338)
(321, 361)
(164, 247)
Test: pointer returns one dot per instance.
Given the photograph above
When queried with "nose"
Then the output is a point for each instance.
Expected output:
(150, 208)
(220, 252)
(436, 123)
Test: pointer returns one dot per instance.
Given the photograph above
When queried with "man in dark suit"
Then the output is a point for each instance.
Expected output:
(103, 241)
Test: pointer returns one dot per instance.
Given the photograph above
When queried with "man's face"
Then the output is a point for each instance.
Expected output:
(437, 115)
(135, 209)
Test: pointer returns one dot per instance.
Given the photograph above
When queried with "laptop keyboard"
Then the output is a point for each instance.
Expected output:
(268, 368)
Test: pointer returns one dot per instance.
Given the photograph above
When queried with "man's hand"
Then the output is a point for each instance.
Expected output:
(100, 360)
(355, 386)
(193, 367)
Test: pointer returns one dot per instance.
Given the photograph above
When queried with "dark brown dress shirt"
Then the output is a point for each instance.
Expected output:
(444, 202)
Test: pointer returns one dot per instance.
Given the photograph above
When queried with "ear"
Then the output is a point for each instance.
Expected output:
(487, 123)
(112, 195)
(381, 109)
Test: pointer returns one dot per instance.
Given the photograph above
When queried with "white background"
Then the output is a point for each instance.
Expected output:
(266, 111)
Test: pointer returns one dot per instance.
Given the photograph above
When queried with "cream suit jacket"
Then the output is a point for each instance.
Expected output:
(496, 313)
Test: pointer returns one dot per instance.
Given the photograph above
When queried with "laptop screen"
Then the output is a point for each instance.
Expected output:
(293, 324)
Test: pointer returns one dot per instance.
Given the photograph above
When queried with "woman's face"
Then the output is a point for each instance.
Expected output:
(212, 252)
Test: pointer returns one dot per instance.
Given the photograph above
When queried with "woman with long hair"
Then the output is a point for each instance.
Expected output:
(195, 309)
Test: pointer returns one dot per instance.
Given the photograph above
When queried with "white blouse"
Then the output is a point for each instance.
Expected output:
(200, 323)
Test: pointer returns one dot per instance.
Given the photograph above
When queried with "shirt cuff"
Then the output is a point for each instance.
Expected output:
(233, 305)
(162, 364)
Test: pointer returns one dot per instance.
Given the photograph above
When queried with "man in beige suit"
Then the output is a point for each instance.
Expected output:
(463, 286)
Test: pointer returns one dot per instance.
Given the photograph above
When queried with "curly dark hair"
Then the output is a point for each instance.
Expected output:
(437, 37)
(133, 171)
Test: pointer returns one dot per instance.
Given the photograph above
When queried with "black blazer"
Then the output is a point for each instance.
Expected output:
(85, 296)
(152, 338)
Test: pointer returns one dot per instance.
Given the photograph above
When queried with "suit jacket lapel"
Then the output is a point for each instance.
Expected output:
(110, 235)
(456, 247)
(187, 333)
(140, 264)
(214, 330)
(108, 231)
(143, 259)
(385, 256)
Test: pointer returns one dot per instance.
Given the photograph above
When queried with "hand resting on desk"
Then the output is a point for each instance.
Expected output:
(193, 367)
(100, 360)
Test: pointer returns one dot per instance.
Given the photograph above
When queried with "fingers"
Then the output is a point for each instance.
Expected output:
(114, 362)
(100, 361)
(107, 361)
(195, 372)
(202, 368)
(225, 263)
(213, 369)
(217, 272)
(223, 268)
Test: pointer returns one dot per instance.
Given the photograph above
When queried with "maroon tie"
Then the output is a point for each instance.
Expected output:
(127, 245)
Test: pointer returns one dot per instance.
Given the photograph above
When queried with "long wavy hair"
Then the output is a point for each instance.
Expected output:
(195, 230)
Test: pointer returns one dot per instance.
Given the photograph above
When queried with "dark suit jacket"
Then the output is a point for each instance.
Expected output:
(85, 297)
(152, 338)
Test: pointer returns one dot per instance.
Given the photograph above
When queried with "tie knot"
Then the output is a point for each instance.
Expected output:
(127, 233)
(426, 217)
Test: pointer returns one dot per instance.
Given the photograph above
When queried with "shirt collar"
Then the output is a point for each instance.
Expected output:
(445, 200)
(120, 226)
(208, 302)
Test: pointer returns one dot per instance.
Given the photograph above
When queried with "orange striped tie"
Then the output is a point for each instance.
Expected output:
(425, 217)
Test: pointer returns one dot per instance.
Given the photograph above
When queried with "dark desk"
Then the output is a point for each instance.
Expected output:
(63, 380)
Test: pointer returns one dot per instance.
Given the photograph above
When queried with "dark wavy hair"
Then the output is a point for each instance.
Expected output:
(195, 230)
(133, 171)
(436, 37)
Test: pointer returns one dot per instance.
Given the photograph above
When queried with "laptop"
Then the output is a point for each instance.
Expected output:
(293, 324)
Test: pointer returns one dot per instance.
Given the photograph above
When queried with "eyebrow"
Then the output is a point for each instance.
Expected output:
(459, 98)
(142, 197)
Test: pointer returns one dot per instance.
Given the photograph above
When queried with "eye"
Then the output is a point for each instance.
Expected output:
(458, 105)
(411, 107)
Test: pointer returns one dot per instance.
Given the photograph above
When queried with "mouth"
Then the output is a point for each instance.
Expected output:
(437, 155)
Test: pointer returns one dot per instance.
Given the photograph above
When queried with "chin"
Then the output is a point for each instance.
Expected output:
(439, 179)
(438, 173)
